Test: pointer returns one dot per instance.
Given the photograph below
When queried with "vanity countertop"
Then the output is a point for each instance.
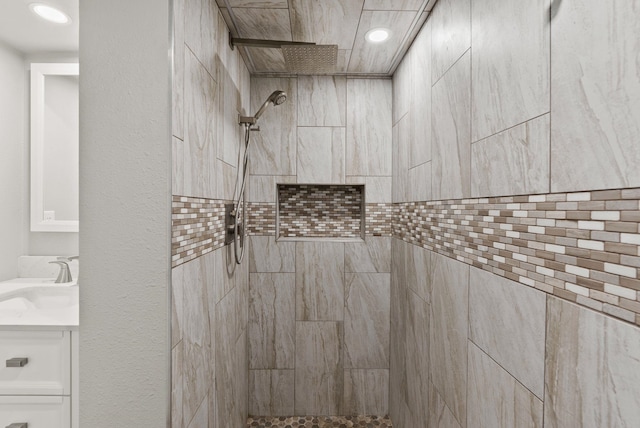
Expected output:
(38, 304)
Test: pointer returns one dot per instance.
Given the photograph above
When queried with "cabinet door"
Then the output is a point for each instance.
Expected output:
(48, 370)
(36, 412)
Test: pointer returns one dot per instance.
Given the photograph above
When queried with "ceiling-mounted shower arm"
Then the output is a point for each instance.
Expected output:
(258, 43)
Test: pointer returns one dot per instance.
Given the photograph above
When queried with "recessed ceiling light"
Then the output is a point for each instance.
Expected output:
(50, 13)
(377, 35)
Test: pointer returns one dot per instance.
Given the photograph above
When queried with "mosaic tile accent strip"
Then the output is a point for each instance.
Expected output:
(197, 228)
(379, 219)
(262, 219)
(583, 247)
(320, 422)
(320, 211)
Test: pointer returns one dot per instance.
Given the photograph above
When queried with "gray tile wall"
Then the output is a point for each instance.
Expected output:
(210, 374)
(325, 304)
(500, 120)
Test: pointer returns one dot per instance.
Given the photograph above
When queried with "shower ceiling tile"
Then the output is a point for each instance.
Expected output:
(333, 22)
(256, 23)
(392, 4)
(376, 58)
(328, 22)
(271, 4)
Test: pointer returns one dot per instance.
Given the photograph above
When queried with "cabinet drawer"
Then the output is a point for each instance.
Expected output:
(48, 370)
(37, 412)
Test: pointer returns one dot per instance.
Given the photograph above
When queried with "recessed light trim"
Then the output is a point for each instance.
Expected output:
(50, 13)
(378, 35)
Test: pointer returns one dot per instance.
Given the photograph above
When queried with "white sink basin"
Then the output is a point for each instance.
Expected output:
(38, 302)
(41, 297)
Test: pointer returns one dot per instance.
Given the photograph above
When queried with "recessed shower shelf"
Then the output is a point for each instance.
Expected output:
(320, 212)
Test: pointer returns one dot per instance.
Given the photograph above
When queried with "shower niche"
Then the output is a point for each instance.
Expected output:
(309, 212)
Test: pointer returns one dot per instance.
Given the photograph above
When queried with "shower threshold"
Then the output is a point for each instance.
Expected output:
(319, 422)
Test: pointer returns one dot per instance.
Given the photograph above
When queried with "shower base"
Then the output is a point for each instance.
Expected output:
(320, 422)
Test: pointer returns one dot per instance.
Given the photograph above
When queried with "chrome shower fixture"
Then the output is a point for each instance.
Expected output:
(276, 98)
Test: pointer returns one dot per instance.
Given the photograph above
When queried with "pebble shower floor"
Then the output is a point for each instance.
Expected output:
(321, 422)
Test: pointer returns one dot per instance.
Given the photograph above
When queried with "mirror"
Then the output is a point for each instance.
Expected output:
(54, 147)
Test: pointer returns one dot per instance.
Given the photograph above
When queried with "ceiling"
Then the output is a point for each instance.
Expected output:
(338, 22)
(22, 30)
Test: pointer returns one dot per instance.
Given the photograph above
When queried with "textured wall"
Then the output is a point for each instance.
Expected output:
(319, 311)
(210, 292)
(11, 171)
(125, 165)
(528, 107)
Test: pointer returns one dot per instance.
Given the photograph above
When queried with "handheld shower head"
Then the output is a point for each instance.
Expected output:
(276, 98)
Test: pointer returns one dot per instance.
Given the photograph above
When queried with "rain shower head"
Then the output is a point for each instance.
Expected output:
(276, 98)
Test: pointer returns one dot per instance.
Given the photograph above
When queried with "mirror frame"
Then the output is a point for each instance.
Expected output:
(38, 73)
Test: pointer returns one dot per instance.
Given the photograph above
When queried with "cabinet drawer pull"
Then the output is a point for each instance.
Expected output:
(18, 425)
(17, 362)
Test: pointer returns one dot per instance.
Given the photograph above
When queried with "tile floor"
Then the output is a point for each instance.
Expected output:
(320, 422)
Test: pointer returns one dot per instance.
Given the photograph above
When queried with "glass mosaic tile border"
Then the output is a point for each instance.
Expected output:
(583, 247)
(320, 422)
(197, 227)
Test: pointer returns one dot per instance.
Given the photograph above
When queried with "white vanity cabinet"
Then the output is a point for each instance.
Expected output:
(38, 372)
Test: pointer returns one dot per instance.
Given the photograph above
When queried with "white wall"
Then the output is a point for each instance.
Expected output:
(125, 206)
(12, 99)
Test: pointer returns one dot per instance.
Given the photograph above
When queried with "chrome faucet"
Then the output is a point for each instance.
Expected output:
(64, 275)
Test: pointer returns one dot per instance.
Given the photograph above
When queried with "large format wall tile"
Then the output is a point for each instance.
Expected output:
(401, 86)
(417, 359)
(419, 179)
(451, 132)
(510, 64)
(177, 100)
(419, 271)
(596, 95)
(377, 189)
(448, 339)
(177, 355)
(368, 127)
(319, 376)
(196, 334)
(199, 144)
(272, 321)
(401, 143)
(513, 162)
(496, 399)
(440, 415)
(262, 188)
(322, 100)
(420, 101)
(274, 147)
(321, 155)
(372, 255)
(319, 281)
(398, 392)
(229, 134)
(506, 320)
(593, 370)
(451, 34)
(271, 392)
(200, 26)
(366, 323)
(268, 255)
(366, 392)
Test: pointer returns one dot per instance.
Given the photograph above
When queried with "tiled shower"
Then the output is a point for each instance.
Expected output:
(497, 284)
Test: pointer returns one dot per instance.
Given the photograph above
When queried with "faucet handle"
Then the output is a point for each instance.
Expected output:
(67, 259)
(65, 274)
